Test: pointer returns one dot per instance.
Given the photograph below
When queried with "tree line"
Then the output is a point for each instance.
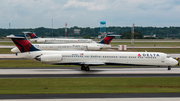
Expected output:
(163, 32)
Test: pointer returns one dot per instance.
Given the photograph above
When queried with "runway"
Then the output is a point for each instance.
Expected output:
(76, 72)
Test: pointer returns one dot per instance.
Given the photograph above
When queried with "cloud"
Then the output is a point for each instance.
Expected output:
(87, 5)
(88, 13)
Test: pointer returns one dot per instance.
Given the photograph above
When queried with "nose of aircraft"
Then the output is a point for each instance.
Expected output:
(174, 62)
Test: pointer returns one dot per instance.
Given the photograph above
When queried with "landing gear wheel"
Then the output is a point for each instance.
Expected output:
(83, 68)
(87, 68)
(169, 67)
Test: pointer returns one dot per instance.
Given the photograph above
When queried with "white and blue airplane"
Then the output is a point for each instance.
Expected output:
(103, 44)
(91, 58)
(34, 38)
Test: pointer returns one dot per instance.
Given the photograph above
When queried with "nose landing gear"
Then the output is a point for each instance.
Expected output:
(169, 68)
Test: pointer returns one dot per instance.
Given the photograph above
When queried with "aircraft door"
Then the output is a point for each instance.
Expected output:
(163, 58)
(82, 47)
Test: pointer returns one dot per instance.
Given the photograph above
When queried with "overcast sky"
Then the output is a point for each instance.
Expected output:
(88, 13)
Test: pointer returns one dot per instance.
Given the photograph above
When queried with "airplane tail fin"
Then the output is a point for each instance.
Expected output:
(22, 43)
(32, 35)
(107, 39)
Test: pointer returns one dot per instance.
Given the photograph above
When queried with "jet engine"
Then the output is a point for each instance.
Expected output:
(15, 50)
(49, 58)
(38, 40)
(93, 48)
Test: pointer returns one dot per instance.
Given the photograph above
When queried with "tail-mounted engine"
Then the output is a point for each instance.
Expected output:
(49, 58)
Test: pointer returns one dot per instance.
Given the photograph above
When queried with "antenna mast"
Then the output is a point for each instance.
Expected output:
(132, 37)
(66, 29)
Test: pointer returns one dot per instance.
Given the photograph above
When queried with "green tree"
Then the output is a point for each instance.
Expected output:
(86, 37)
(128, 35)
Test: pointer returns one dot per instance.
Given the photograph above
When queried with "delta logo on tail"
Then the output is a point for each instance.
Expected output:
(32, 35)
(108, 38)
(22, 43)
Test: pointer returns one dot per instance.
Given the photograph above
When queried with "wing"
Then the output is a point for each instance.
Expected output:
(92, 63)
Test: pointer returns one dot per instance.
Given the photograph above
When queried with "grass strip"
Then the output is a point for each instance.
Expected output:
(89, 85)
(7, 43)
(5, 51)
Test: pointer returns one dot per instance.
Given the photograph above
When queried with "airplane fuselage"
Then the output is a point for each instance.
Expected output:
(58, 40)
(101, 58)
(75, 46)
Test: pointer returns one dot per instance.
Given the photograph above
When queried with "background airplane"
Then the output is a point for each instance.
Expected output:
(34, 38)
(103, 44)
(91, 58)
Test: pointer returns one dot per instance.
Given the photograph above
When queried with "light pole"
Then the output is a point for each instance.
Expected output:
(52, 27)
(132, 37)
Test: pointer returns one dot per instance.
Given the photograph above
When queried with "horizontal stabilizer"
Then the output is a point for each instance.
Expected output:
(26, 32)
(112, 35)
(16, 36)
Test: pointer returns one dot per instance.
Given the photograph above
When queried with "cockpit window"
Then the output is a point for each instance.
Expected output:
(168, 56)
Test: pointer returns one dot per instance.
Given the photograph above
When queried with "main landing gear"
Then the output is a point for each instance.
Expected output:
(86, 68)
(169, 67)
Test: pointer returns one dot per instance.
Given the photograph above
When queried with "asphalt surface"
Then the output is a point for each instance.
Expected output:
(76, 72)
(75, 96)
